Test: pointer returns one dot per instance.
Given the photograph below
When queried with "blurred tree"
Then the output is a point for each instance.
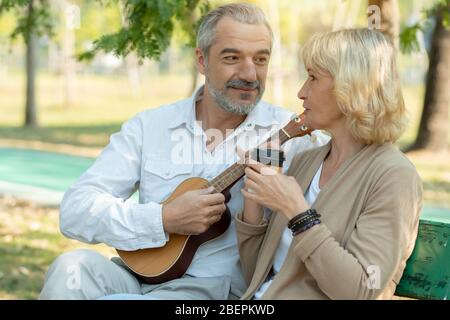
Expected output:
(109, 21)
(7, 25)
(131, 61)
(434, 122)
(68, 20)
(33, 19)
(149, 28)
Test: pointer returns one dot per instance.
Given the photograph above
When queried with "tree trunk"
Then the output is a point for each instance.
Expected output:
(3, 63)
(68, 51)
(131, 60)
(433, 129)
(134, 78)
(390, 18)
(30, 41)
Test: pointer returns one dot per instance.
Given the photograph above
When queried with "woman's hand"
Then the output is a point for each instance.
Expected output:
(253, 212)
(273, 190)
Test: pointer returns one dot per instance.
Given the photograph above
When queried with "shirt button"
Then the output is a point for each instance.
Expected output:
(167, 173)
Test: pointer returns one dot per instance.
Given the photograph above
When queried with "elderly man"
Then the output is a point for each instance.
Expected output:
(234, 46)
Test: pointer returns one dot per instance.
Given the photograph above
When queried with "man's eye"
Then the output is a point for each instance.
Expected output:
(231, 58)
(261, 60)
(312, 77)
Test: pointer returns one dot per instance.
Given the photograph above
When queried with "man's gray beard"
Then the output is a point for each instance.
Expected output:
(221, 98)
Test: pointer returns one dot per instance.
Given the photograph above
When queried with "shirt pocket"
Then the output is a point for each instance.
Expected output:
(160, 177)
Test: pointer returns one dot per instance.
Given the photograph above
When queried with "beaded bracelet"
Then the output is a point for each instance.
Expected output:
(306, 227)
(304, 221)
(302, 216)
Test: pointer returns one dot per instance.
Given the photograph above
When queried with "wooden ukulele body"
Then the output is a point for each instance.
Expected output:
(156, 265)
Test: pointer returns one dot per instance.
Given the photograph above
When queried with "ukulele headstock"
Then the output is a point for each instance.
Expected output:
(296, 127)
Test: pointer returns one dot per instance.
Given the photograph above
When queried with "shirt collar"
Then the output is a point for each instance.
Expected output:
(261, 115)
(186, 114)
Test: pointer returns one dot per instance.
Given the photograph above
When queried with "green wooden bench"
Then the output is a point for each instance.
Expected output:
(427, 273)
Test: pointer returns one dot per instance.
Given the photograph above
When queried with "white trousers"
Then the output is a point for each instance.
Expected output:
(86, 274)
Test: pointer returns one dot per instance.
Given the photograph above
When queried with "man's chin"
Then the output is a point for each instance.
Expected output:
(240, 109)
(245, 103)
(246, 109)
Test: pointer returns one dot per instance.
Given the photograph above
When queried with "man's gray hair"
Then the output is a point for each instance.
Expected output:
(242, 12)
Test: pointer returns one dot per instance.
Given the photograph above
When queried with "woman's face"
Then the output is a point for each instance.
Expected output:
(319, 101)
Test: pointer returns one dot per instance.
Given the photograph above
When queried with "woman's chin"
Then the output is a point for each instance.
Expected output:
(308, 123)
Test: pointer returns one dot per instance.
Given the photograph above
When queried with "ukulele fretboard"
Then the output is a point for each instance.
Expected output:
(229, 176)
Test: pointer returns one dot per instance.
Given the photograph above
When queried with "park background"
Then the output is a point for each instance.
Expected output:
(71, 107)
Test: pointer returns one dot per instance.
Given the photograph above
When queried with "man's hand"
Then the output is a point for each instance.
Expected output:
(193, 212)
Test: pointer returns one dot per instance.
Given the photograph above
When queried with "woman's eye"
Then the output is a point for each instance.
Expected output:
(312, 77)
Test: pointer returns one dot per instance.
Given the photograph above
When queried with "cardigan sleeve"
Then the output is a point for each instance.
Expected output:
(377, 248)
(250, 238)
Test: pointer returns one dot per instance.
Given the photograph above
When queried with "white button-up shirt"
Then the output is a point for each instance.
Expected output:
(153, 153)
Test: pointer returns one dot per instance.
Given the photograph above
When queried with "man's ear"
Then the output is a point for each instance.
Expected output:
(200, 61)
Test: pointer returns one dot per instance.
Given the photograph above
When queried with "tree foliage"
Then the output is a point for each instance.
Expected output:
(149, 28)
(408, 36)
(40, 22)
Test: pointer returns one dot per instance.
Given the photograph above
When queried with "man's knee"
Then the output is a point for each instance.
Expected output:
(72, 274)
(77, 261)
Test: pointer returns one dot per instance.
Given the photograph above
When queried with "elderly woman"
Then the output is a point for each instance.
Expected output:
(344, 220)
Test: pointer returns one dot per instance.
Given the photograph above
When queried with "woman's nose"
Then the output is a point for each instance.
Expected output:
(302, 92)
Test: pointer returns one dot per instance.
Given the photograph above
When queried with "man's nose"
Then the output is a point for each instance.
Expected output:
(248, 71)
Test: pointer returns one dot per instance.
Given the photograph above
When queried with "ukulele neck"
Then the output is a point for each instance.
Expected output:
(229, 176)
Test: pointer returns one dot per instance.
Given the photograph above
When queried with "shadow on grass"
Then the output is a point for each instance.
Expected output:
(83, 135)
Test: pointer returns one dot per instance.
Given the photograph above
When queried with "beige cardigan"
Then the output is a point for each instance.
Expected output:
(370, 212)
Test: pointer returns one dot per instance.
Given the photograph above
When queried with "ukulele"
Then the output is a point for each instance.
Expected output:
(157, 265)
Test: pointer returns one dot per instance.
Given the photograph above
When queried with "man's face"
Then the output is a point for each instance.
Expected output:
(236, 66)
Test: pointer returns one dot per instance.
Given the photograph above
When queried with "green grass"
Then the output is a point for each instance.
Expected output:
(104, 103)
(92, 136)
(99, 99)
(434, 169)
(29, 242)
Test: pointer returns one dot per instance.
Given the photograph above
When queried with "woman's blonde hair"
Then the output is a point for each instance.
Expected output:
(366, 84)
